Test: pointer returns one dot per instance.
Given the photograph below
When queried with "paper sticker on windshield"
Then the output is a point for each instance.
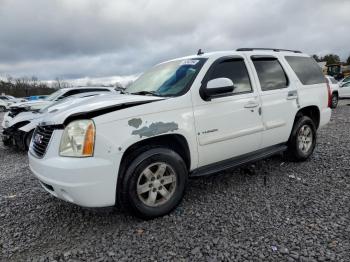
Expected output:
(189, 62)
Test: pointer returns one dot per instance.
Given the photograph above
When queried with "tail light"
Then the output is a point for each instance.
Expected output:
(329, 95)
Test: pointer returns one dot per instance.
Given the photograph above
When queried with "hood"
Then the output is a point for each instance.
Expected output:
(24, 116)
(18, 108)
(32, 104)
(94, 106)
(69, 102)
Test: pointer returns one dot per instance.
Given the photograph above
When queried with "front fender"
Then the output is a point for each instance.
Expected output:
(120, 135)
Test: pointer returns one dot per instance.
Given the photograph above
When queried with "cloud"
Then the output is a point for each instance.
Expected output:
(87, 38)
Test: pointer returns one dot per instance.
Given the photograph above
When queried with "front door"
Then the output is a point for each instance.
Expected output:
(229, 125)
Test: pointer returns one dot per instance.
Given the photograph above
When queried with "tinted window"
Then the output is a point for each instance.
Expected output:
(96, 90)
(306, 69)
(270, 72)
(235, 70)
(69, 93)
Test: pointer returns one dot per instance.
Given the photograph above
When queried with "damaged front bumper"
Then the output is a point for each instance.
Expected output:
(12, 136)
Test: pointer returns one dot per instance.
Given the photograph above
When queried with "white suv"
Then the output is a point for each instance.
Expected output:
(187, 117)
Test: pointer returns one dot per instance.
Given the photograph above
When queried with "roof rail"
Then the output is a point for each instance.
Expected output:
(268, 49)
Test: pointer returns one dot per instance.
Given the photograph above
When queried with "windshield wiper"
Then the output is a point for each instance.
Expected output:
(152, 93)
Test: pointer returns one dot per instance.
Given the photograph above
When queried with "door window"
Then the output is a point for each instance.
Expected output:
(270, 72)
(235, 70)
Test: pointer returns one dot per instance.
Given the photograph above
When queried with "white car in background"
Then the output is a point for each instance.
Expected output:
(18, 124)
(12, 99)
(344, 90)
(56, 96)
(4, 105)
(344, 80)
(334, 86)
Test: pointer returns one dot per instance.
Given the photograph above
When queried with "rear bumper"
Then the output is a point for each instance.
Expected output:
(325, 116)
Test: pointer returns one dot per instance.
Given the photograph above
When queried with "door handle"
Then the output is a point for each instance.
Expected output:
(292, 95)
(251, 104)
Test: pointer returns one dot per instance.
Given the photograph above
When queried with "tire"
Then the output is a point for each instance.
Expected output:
(142, 190)
(335, 99)
(2, 109)
(27, 139)
(7, 142)
(299, 147)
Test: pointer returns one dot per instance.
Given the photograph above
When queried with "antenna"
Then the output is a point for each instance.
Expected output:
(200, 52)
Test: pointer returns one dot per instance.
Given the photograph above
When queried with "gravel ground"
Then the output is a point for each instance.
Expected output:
(270, 211)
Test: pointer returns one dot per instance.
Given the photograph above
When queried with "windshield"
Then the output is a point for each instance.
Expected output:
(167, 79)
(54, 95)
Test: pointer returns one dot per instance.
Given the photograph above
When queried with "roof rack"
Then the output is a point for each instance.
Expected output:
(269, 49)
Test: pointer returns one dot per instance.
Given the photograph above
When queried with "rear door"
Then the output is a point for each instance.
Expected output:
(278, 99)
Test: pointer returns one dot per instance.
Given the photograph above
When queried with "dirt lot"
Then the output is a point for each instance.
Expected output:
(270, 211)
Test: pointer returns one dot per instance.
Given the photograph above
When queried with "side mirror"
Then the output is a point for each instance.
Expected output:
(219, 86)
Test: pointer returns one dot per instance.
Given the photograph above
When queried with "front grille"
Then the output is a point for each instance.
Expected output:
(41, 139)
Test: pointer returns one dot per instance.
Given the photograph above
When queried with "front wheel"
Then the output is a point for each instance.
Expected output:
(302, 141)
(154, 183)
(334, 100)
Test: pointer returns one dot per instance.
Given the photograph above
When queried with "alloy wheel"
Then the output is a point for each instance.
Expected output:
(156, 184)
(305, 138)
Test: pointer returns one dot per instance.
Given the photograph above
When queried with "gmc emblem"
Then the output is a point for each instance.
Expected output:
(38, 138)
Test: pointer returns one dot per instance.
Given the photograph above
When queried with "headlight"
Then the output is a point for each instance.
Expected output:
(78, 139)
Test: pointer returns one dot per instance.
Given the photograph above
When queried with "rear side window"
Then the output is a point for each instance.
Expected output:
(306, 69)
(270, 72)
(235, 70)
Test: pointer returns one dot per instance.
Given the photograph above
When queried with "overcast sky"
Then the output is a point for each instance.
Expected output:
(83, 38)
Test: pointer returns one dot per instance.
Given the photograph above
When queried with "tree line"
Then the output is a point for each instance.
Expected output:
(331, 59)
(25, 86)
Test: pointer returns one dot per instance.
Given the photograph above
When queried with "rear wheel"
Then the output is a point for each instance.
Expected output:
(334, 100)
(2, 109)
(154, 183)
(302, 141)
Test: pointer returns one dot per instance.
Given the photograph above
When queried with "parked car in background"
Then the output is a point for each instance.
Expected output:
(16, 123)
(32, 98)
(4, 105)
(344, 80)
(344, 90)
(56, 96)
(12, 99)
(190, 116)
(334, 86)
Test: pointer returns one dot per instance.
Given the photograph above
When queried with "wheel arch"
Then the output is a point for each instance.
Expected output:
(176, 142)
(311, 111)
